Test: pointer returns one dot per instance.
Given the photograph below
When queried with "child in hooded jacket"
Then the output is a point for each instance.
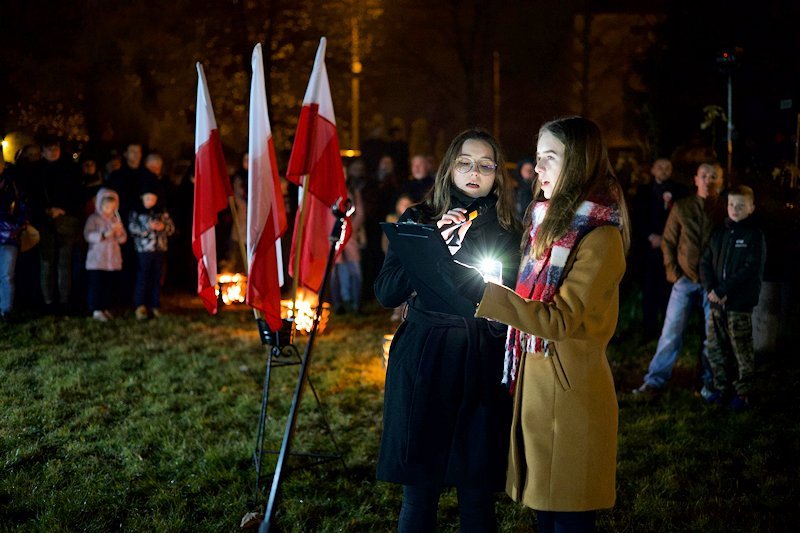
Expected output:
(104, 234)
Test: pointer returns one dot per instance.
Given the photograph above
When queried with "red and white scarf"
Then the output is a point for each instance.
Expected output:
(539, 279)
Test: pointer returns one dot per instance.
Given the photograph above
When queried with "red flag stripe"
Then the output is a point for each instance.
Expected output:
(211, 188)
(319, 156)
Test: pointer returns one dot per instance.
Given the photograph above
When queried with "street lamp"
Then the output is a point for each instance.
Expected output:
(727, 63)
(355, 68)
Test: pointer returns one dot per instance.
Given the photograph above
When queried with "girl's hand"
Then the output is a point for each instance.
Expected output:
(452, 218)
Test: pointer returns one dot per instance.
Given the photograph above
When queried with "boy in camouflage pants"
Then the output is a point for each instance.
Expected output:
(731, 271)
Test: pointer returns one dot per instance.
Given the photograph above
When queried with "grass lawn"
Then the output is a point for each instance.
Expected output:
(150, 426)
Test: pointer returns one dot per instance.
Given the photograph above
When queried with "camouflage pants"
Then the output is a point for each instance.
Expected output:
(730, 350)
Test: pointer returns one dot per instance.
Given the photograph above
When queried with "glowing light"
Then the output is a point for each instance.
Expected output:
(232, 288)
(350, 153)
(492, 270)
(306, 311)
(4, 143)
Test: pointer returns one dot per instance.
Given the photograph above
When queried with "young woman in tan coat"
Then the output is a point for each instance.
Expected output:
(563, 312)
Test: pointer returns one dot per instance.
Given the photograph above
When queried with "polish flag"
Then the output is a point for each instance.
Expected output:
(316, 165)
(211, 191)
(266, 214)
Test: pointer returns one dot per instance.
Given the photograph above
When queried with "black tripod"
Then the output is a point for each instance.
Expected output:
(281, 346)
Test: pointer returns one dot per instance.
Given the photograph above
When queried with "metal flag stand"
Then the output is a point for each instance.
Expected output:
(280, 343)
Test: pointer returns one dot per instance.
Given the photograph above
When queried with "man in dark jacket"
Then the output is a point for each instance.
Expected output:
(731, 271)
(129, 179)
(651, 206)
(685, 236)
(56, 208)
(128, 182)
(420, 181)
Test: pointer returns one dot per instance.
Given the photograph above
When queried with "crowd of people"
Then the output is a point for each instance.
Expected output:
(490, 384)
(81, 267)
(100, 237)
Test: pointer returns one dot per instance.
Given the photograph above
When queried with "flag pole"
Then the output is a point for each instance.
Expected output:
(242, 247)
(298, 243)
(341, 212)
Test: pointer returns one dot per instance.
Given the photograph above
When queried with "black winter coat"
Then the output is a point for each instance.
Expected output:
(446, 415)
(733, 264)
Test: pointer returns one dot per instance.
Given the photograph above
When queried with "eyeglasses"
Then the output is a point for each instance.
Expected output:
(464, 164)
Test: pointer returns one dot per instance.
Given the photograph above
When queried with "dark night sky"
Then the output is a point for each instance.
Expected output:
(128, 67)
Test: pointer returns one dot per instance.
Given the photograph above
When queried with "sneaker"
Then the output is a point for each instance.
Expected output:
(156, 312)
(99, 316)
(646, 390)
(108, 314)
(141, 313)
(739, 403)
(711, 397)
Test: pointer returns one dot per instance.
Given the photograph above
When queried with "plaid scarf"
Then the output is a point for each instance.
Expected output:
(539, 279)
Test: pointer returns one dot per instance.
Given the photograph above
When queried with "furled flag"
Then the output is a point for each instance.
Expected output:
(211, 191)
(266, 214)
(316, 165)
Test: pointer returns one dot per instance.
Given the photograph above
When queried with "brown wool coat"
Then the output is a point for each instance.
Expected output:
(563, 451)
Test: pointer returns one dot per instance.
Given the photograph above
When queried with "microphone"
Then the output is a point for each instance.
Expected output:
(474, 210)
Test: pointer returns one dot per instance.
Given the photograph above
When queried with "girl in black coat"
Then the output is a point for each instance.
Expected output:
(446, 415)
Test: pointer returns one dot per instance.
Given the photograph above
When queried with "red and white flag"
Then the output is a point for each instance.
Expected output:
(211, 190)
(316, 158)
(266, 214)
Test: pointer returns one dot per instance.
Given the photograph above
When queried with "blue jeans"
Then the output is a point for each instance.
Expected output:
(684, 296)
(346, 284)
(148, 280)
(8, 262)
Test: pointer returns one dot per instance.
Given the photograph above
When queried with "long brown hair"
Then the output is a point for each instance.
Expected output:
(438, 199)
(586, 172)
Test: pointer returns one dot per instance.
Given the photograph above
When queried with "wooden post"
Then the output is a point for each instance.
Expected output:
(242, 244)
(298, 248)
(355, 69)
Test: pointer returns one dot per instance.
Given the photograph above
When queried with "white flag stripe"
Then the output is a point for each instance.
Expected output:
(261, 189)
(204, 114)
(279, 256)
(318, 91)
(209, 242)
